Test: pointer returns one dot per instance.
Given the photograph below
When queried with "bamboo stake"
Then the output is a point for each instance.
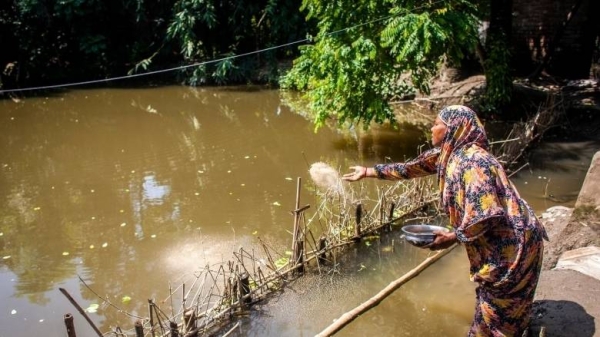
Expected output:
(349, 316)
(296, 222)
(70, 326)
(139, 328)
(81, 311)
(151, 318)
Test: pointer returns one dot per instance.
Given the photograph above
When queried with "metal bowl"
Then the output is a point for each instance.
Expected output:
(421, 235)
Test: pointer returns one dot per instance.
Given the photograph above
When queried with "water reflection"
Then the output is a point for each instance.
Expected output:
(135, 189)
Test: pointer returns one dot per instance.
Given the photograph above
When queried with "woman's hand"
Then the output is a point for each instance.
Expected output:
(359, 173)
(442, 240)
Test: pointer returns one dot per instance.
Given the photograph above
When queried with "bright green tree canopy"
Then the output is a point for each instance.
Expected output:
(368, 52)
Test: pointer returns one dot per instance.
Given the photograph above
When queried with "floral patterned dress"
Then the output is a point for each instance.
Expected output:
(501, 234)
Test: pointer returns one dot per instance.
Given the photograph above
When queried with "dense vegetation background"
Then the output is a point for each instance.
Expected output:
(50, 41)
(350, 57)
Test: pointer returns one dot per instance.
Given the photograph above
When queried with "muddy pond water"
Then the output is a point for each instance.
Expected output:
(131, 189)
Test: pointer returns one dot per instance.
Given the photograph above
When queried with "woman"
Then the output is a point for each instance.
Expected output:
(501, 234)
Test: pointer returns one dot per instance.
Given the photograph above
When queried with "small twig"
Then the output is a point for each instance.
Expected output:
(504, 141)
(519, 169)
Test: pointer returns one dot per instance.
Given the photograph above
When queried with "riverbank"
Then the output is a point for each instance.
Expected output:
(566, 302)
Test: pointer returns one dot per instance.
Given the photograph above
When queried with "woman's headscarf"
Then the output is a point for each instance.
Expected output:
(463, 129)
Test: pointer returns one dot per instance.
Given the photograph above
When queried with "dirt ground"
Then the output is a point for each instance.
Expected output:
(567, 302)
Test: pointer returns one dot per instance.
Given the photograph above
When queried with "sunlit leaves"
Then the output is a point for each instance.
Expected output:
(352, 74)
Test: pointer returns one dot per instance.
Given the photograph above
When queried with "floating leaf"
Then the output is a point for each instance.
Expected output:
(368, 243)
(288, 178)
(65, 253)
(123, 224)
(255, 232)
(93, 308)
(104, 245)
(276, 203)
(6, 257)
(125, 299)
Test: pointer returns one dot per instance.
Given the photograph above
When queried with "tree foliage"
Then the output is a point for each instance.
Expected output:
(378, 51)
(46, 41)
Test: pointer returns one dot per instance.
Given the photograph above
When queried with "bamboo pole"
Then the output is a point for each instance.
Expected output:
(349, 316)
(81, 311)
(151, 318)
(295, 253)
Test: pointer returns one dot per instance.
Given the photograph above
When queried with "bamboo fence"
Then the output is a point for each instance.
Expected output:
(220, 293)
(217, 294)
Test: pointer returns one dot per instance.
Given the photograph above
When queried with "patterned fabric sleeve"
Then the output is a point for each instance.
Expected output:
(422, 165)
(481, 207)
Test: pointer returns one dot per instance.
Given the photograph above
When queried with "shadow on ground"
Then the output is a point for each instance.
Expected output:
(561, 318)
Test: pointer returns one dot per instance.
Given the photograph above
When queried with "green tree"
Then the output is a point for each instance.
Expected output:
(51, 41)
(497, 58)
(377, 51)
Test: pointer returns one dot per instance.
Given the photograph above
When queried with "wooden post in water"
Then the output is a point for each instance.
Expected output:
(245, 288)
(81, 311)
(173, 328)
(297, 254)
(70, 326)
(189, 320)
(358, 219)
(151, 318)
(322, 245)
(391, 216)
(300, 248)
(139, 328)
